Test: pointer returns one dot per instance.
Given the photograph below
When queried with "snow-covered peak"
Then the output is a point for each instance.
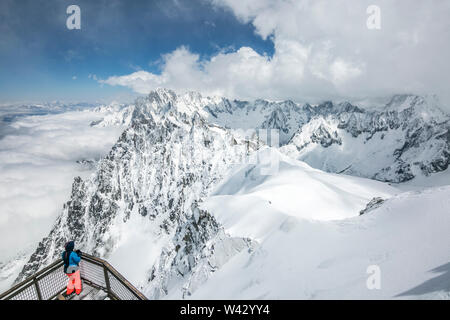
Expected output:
(278, 184)
(403, 101)
(161, 96)
(426, 107)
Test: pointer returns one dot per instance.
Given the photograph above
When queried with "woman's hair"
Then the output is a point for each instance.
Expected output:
(69, 246)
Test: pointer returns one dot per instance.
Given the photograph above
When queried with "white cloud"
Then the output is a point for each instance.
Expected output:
(92, 76)
(323, 50)
(210, 24)
(37, 166)
(341, 71)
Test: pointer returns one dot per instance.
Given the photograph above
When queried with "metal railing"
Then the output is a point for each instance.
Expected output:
(51, 281)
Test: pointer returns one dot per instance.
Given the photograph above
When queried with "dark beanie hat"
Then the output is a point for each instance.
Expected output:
(70, 245)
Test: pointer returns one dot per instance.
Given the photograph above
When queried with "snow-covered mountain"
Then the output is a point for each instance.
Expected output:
(300, 256)
(182, 195)
(409, 137)
(286, 116)
(152, 179)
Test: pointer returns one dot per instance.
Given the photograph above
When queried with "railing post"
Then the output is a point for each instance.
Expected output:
(108, 285)
(38, 290)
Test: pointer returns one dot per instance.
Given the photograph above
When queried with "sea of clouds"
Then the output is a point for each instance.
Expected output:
(38, 161)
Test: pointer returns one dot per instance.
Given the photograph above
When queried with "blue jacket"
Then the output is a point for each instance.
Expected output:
(74, 259)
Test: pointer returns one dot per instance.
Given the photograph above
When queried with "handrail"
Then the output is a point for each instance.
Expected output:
(51, 281)
(25, 283)
(116, 274)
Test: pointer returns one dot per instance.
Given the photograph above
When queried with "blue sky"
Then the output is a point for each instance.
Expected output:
(39, 56)
(275, 49)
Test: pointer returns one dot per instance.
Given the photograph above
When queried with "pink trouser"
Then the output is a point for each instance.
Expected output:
(74, 281)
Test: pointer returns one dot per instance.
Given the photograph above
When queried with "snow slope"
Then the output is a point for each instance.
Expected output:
(300, 256)
(423, 182)
(293, 189)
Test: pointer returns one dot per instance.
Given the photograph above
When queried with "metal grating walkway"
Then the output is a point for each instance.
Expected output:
(100, 282)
